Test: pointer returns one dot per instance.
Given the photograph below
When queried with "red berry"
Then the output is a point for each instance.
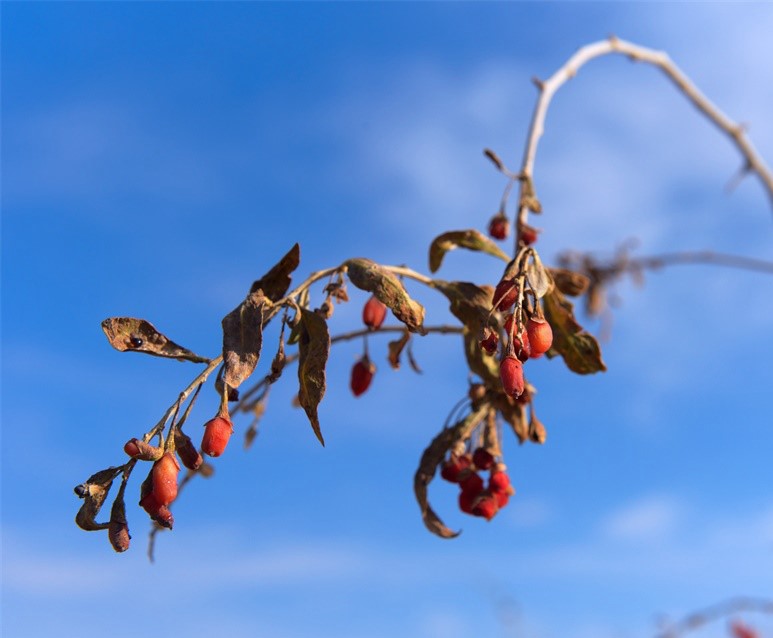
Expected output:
(373, 313)
(490, 341)
(467, 501)
(362, 375)
(499, 227)
(511, 373)
(502, 498)
(163, 517)
(529, 235)
(505, 294)
(217, 431)
(165, 472)
(453, 467)
(540, 336)
(740, 630)
(487, 507)
(471, 482)
(520, 344)
(499, 482)
(482, 458)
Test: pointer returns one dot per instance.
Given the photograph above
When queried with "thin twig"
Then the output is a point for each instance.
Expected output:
(243, 406)
(753, 162)
(715, 612)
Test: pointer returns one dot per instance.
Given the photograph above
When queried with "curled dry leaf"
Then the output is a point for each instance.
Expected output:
(276, 281)
(514, 415)
(430, 460)
(94, 492)
(538, 276)
(494, 159)
(579, 349)
(369, 276)
(470, 239)
(243, 338)
(569, 282)
(128, 334)
(313, 350)
(396, 348)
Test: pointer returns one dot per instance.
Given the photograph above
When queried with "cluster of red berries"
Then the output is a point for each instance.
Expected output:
(499, 228)
(373, 316)
(160, 487)
(535, 339)
(475, 497)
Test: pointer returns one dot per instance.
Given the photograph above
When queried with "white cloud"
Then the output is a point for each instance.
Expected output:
(650, 518)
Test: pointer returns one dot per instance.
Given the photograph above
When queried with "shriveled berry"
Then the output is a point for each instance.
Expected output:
(505, 294)
(482, 458)
(139, 449)
(471, 482)
(187, 452)
(163, 517)
(118, 533)
(540, 336)
(362, 375)
(490, 341)
(511, 373)
(529, 235)
(165, 472)
(373, 313)
(453, 467)
(487, 507)
(499, 227)
(217, 431)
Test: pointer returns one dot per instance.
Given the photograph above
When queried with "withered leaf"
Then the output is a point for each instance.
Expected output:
(480, 363)
(276, 281)
(412, 360)
(94, 492)
(128, 334)
(430, 459)
(494, 158)
(243, 338)
(470, 239)
(569, 282)
(470, 304)
(313, 350)
(514, 415)
(538, 276)
(579, 349)
(369, 276)
(396, 348)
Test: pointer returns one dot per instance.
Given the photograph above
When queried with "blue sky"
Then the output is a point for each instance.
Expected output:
(156, 158)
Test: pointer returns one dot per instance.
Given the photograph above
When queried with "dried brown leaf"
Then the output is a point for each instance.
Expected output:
(569, 282)
(243, 338)
(470, 239)
(128, 334)
(470, 304)
(276, 281)
(538, 276)
(514, 415)
(480, 363)
(94, 492)
(313, 351)
(579, 349)
(494, 159)
(396, 349)
(430, 460)
(369, 276)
